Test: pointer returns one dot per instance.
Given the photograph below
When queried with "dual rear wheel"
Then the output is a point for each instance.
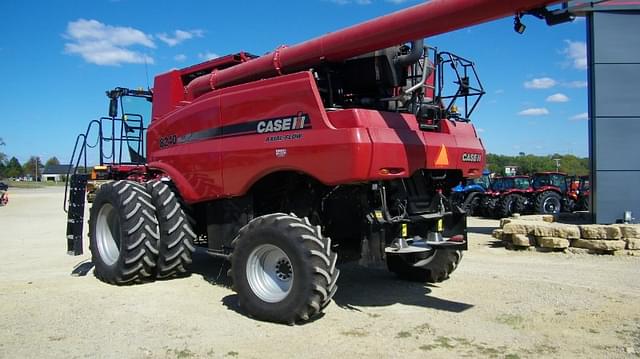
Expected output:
(138, 233)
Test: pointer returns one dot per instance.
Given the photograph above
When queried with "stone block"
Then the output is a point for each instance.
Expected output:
(599, 244)
(558, 230)
(522, 240)
(538, 218)
(505, 221)
(519, 227)
(598, 231)
(633, 243)
(629, 230)
(552, 242)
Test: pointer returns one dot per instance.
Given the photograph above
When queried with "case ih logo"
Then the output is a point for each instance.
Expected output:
(471, 157)
(297, 122)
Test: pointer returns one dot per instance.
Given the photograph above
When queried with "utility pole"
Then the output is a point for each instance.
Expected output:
(557, 164)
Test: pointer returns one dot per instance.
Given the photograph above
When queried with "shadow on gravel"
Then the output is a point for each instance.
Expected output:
(370, 287)
(213, 270)
(357, 287)
(496, 244)
(81, 269)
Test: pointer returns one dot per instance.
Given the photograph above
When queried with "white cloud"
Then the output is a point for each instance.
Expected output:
(576, 52)
(208, 56)
(541, 111)
(102, 44)
(480, 130)
(179, 36)
(575, 84)
(180, 57)
(580, 117)
(540, 83)
(499, 91)
(558, 97)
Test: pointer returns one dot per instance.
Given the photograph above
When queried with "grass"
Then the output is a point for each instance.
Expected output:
(357, 333)
(27, 184)
(513, 320)
(181, 354)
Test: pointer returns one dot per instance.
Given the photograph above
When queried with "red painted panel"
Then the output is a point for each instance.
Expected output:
(168, 92)
(198, 162)
(331, 156)
(214, 148)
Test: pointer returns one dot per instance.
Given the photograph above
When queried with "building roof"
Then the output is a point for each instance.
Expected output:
(56, 170)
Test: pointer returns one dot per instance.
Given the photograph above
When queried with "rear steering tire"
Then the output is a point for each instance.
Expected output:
(283, 269)
(123, 233)
(443, 262)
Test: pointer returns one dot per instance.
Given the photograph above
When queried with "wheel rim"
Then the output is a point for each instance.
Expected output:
(108, 234)
(269, 273)
(551, 205)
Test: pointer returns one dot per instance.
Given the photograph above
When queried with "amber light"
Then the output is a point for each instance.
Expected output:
(390, 171)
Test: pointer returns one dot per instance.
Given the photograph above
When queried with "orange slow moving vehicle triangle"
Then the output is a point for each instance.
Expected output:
(443, 158)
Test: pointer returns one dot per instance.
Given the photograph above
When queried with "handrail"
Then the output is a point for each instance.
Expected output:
(81, 154)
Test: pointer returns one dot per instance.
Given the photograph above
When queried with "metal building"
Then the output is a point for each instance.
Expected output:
(613, 53)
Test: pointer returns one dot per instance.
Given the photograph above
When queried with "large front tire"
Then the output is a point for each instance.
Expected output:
(283, 269)
(440, 266)
(510, 204)
(548, 202)
(123, 233)
(175, 246)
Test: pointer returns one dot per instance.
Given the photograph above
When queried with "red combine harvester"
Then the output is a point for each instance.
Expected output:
(350, 136)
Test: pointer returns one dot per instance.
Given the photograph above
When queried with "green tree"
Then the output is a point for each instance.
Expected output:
(529, 164)
(53, 161)
(14, 168)
(30, 168)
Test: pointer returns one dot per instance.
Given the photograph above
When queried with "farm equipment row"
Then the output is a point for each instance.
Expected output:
(542, 193)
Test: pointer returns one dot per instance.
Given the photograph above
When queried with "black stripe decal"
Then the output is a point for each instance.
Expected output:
(300, 121)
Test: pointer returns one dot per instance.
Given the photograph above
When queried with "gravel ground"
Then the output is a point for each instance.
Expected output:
(498, 303)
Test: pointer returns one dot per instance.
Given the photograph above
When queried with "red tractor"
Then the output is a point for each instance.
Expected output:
(579, 192)
(262, 160)
(506, 196)
(551, 193)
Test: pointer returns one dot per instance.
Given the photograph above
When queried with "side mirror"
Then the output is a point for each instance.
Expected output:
(113, 107)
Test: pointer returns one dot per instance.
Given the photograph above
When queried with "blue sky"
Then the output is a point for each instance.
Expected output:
(58, 57)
